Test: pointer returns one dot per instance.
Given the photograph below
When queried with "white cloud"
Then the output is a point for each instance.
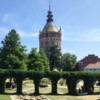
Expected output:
(8, 17)
(93, 35)
(5, 18)
(64, 50)
(27, 34)
(86, 36)
(4, 31)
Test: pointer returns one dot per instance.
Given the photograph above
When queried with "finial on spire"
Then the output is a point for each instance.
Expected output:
(49, 13)
(49, 5)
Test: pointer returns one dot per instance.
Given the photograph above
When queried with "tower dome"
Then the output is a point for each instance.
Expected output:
(49, 27)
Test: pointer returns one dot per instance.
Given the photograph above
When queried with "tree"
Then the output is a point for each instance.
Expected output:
(68, 61)
(38, 61)
(44, 60)
(54, 56)
(12, 53)
(33, 60)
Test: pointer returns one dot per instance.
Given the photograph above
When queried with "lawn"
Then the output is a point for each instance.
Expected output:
(5, 97)
(47, 90)
(29, 87)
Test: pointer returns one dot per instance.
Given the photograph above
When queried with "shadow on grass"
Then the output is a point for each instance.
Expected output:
(33, 94)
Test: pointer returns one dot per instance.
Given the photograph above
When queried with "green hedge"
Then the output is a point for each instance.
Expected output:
(71, 79)
(54, 77)
(3, 75)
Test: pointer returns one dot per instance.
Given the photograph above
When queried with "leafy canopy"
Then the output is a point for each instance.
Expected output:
(68, 61)
(37, 61)
(12, 53)
(54, 56)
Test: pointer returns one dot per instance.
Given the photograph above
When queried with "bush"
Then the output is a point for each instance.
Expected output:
(37, 77)
(44, 82)
(61, 81)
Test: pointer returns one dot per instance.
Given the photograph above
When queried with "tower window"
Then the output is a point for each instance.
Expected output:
(46, 35)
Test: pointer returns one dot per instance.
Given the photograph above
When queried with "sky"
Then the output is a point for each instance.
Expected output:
(79, 20)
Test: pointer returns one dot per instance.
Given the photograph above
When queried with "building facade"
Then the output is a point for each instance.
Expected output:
(90, 61)
(50, 35)
(95, 67)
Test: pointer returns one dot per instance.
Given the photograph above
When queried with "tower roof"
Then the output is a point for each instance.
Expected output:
(49, 27)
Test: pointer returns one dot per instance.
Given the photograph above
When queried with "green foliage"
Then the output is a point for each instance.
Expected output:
(54, 77)
(38, 61)
(44, 60)
(54, 56)
(3, 75)
(68, 61)
(44, 80)
(5, 97)
(36, 76)
(32, 59)
(12, 53)
(34, 62)
(71, 79)
(61, 81)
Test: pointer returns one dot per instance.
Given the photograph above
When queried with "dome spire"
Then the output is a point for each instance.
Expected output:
(49, 16)
(49, 5)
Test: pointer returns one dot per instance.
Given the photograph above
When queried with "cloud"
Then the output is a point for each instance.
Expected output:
(13, 19)
(8, 17)
(5, 18)
(4, 31)
(93, 35)
(27, 34)
(86, 36)
(64, 50)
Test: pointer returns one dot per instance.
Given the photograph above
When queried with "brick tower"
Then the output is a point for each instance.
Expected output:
(50, 35)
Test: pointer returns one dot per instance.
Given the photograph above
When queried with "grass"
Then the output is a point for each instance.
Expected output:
(5, 97)
(10, 90)
(62, 90)
(28, 85)
(47, 90)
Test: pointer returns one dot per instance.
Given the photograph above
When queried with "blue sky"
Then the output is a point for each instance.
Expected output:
(79, 19)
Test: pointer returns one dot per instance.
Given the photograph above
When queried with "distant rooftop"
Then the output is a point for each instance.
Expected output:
(95, 65)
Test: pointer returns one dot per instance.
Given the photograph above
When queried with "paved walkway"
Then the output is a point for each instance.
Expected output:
(13, 97)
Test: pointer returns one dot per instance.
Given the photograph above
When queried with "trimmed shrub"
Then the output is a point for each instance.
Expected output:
(71, 79)
(44, 82)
